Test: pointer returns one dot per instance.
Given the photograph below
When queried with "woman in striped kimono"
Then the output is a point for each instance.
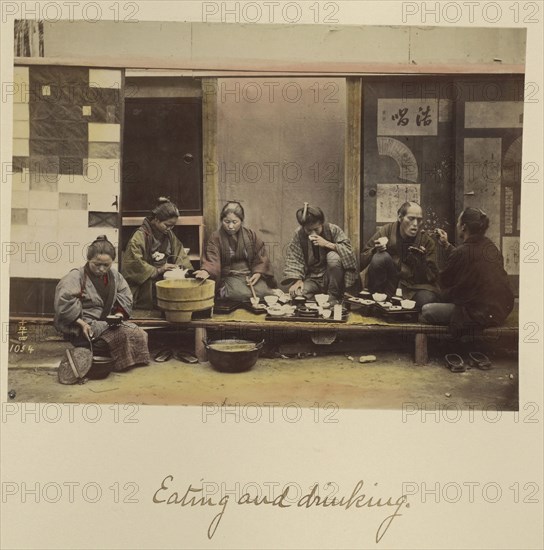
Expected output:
(85, 297)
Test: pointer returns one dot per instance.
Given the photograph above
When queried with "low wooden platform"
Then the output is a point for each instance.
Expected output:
(244, 322)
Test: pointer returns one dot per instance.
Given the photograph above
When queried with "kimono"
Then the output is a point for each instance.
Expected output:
(77, 297)
(475, 281)
(300, 266)
(230, 259)
(145, 252)
(413, 275)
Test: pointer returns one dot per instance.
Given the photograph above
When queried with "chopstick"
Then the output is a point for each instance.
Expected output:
(252, 291)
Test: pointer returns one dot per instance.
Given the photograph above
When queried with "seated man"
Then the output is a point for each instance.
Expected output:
(400, 255)
(475, 287)
(319, 258)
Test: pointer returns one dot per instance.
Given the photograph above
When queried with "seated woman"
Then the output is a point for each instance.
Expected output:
(474, 283)
(86, 296)
(151, 251)
(235, 257)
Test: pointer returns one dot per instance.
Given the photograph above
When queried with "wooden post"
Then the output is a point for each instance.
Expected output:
(210, 208)
(352, 164)
(421, 355)
(200, 349)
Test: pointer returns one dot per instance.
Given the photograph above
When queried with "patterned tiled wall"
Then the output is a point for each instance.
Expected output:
(66, 163)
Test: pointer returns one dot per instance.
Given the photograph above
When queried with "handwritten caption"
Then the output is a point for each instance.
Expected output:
(201, 496)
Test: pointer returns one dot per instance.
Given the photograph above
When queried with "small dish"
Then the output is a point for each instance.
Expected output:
(395, 308)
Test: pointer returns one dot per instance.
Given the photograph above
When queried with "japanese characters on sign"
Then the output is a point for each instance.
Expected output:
(407, 117)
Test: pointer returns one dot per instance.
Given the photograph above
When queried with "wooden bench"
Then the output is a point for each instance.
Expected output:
(244, 322)
(416, 331)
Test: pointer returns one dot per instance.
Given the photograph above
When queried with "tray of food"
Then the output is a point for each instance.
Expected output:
(310, 312)
(397, 310)
(223, 306)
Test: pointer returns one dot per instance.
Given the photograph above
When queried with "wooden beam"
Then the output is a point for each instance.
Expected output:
(270, 67)
(182, 220)
(210, 170)
(352, 163)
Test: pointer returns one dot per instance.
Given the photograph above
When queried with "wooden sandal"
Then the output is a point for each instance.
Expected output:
(163, 355)
(479, 360)
(455, 362)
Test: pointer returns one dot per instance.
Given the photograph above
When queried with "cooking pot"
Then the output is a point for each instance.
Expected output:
(233, 355)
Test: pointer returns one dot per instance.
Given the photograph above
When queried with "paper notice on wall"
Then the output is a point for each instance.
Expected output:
(407, 117)
(390, 196)
(510, 252)
(494, 114)
(508, 210)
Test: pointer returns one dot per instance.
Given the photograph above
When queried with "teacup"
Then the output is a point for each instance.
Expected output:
(321, 299)
(254, 301)
(271, 300)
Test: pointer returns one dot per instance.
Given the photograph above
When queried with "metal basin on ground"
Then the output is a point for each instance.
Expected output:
(233, 355)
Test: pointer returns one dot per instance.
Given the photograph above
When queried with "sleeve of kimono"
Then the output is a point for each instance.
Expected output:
(68, 306)
(294, 262)
(182, 258)
(427, 271)
(368, 250)
(211, 258)
(261, 263)
(136, 269)
(344, 248)
(124, 295)
(454, 272)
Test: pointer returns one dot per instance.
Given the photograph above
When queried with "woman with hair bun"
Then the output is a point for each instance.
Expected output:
(151, 251)
(474, 283)
(235, 257)
(86, 297)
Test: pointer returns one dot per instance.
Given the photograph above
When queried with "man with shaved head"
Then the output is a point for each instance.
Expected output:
(400, 255)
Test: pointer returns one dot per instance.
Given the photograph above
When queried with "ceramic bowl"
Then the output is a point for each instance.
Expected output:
(271, 300)
(408, 304)
(378, 297)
